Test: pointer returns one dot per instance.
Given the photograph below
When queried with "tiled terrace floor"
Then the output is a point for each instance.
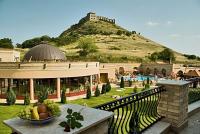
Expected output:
(193, 125)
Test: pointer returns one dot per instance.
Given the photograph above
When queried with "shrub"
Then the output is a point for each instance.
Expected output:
(147, 80)
(130, 83)
(63, 97)
(122, 82)
(108, 86)
(88, 96)
(10, 97)
(97, 92)
(26, 99)
(43, 94)
(103, 91)
(147, 86)
(193, 95)
(119, 32)
(135, 89)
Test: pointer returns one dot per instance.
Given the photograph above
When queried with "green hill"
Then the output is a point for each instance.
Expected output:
(93, 27)
(115, 44)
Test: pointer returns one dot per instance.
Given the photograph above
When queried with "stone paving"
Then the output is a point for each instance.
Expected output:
(193, 125)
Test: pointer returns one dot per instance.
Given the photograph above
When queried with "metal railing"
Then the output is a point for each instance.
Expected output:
(193, 82)
(135, 113)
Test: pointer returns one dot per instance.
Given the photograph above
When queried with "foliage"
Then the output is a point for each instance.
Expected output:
(191, 57)
(88, 95)
(122, 82)
(135, 89)
(10, 97)
(103, 90)
(97, 92)
(147, 86)
(87, 46)
(165, 55)
(130, 83)
(154, 56)
(148, 80)
(73, 119)
(119, 32)
(35, 41)
(63, 97)
(65, 40)
(26, 99)
(128, 33)
(193, 95)
(6, 43)
(108, 86)
(43, 94)
(133, 32)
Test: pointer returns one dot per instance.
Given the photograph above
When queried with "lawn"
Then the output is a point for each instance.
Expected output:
(7, 112)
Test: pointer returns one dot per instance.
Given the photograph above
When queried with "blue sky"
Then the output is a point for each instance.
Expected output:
(173, 23)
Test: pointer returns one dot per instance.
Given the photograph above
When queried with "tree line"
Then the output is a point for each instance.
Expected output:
(167, 55)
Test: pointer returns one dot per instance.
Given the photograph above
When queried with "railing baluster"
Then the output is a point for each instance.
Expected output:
(135, 113)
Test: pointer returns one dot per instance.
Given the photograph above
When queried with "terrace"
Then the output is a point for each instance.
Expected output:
(163, 109)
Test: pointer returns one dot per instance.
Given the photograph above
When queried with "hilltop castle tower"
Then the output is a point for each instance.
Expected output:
(91, 16)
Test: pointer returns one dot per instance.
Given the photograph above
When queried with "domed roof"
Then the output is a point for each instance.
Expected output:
(44, 52)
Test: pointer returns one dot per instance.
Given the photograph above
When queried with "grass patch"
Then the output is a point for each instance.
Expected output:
(7, 112)
(103, 98)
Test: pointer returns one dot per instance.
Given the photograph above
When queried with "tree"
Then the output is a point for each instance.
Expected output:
(87, 46)
(128, 33)
(35, 41)
(167, 55)
(88, 95)
(97, 92)
(10, 97)
(103, 90)
(154, 56)
(63, 97)
(43, 94)
(26, 99)
(108, 86)
(122, 82)
(119, 32)
(6, 43)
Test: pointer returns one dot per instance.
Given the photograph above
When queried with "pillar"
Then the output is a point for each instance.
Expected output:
(31, 89)
(173, 104)
(58, 87)
(91, 84)
(6, 83)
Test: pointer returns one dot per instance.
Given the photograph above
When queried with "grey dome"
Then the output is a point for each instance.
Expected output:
(44, 52)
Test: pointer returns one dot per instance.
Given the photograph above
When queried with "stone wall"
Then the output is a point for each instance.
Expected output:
(173, 104)
(93, 17)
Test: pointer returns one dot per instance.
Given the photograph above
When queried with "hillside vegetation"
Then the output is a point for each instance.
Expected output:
(114, 43)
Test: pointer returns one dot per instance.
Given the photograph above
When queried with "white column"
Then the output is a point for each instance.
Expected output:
(91, 85)
(58, 87)
(31, 89)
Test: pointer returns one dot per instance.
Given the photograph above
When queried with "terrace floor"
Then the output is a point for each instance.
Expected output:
(193, 125)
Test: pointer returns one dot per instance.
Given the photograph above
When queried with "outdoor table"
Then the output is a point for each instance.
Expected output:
(95, 121)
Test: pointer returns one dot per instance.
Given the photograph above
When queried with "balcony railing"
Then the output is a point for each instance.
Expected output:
(135, 113)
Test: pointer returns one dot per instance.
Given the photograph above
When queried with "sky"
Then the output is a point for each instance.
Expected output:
(172, 23)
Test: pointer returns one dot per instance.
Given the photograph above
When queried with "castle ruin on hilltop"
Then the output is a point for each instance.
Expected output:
(91, 16)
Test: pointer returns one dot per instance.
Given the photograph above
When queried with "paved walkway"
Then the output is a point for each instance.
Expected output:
(193, 125)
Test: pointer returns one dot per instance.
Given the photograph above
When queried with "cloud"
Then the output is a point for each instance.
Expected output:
(175, 35)
(169, 22)
(150, 23)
